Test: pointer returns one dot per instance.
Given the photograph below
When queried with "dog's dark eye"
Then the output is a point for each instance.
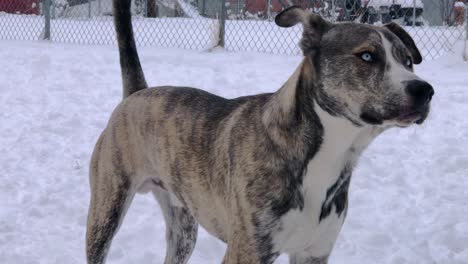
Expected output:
(367, 57)
(409, 62)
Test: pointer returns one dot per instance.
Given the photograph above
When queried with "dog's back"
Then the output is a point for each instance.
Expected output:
(183, 144)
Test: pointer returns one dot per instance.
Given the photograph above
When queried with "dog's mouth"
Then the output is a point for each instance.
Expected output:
(401, 119)
(409, 118)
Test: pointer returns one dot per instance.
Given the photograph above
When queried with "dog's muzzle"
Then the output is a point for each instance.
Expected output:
(421, 94)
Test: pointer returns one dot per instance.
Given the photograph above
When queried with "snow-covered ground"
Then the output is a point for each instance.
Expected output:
(408, 197)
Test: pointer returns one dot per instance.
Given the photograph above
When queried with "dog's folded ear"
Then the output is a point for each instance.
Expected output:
(407, 40)
(291, 16)
(314, 25)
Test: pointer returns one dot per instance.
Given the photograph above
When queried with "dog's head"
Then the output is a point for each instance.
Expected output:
(362, 72)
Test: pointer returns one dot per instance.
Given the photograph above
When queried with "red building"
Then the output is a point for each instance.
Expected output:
(256, 6)
(260, 6)
(30, 7)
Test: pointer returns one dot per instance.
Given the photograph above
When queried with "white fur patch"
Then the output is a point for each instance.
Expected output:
(398, 74)
(302, 231)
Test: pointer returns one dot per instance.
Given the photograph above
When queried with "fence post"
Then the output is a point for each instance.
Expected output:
(46, 10)
(414, 13)
(89, 8)
(222, 24)
(99, 7)
(333, 10)
(269, 9)
(145, 8)
(203, 7)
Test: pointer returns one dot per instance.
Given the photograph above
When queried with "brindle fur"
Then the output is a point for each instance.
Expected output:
(242, 167)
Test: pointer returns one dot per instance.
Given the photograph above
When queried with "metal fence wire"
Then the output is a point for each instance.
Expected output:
(237, 25)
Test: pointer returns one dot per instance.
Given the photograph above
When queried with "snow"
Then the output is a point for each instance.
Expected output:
(408, 196)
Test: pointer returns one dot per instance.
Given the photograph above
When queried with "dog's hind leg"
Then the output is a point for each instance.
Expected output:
(111, 195)
(181, 228)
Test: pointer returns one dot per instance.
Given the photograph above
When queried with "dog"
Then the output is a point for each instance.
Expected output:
(268, 173)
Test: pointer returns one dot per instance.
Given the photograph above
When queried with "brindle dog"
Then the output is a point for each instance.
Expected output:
(268, 173)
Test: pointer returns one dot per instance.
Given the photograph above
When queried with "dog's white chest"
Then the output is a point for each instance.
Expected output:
(314, 229)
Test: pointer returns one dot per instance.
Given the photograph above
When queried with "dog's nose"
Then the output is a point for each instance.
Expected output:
(421, 92)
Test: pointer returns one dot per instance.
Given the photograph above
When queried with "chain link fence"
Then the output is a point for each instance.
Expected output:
(237, 25)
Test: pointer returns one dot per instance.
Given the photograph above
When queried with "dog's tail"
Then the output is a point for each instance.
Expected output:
(133, 77)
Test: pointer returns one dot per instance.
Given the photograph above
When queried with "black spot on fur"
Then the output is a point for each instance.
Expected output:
(337, 195)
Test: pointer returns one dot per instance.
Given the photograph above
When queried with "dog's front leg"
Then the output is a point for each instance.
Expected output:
(238, 254)
(243, 246)
(244, 250)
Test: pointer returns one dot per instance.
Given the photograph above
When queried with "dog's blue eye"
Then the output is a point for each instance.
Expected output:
(366, 56)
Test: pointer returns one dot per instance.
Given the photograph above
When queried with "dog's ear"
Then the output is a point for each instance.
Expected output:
(291, 16)
(314, 26)
(407, 40)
